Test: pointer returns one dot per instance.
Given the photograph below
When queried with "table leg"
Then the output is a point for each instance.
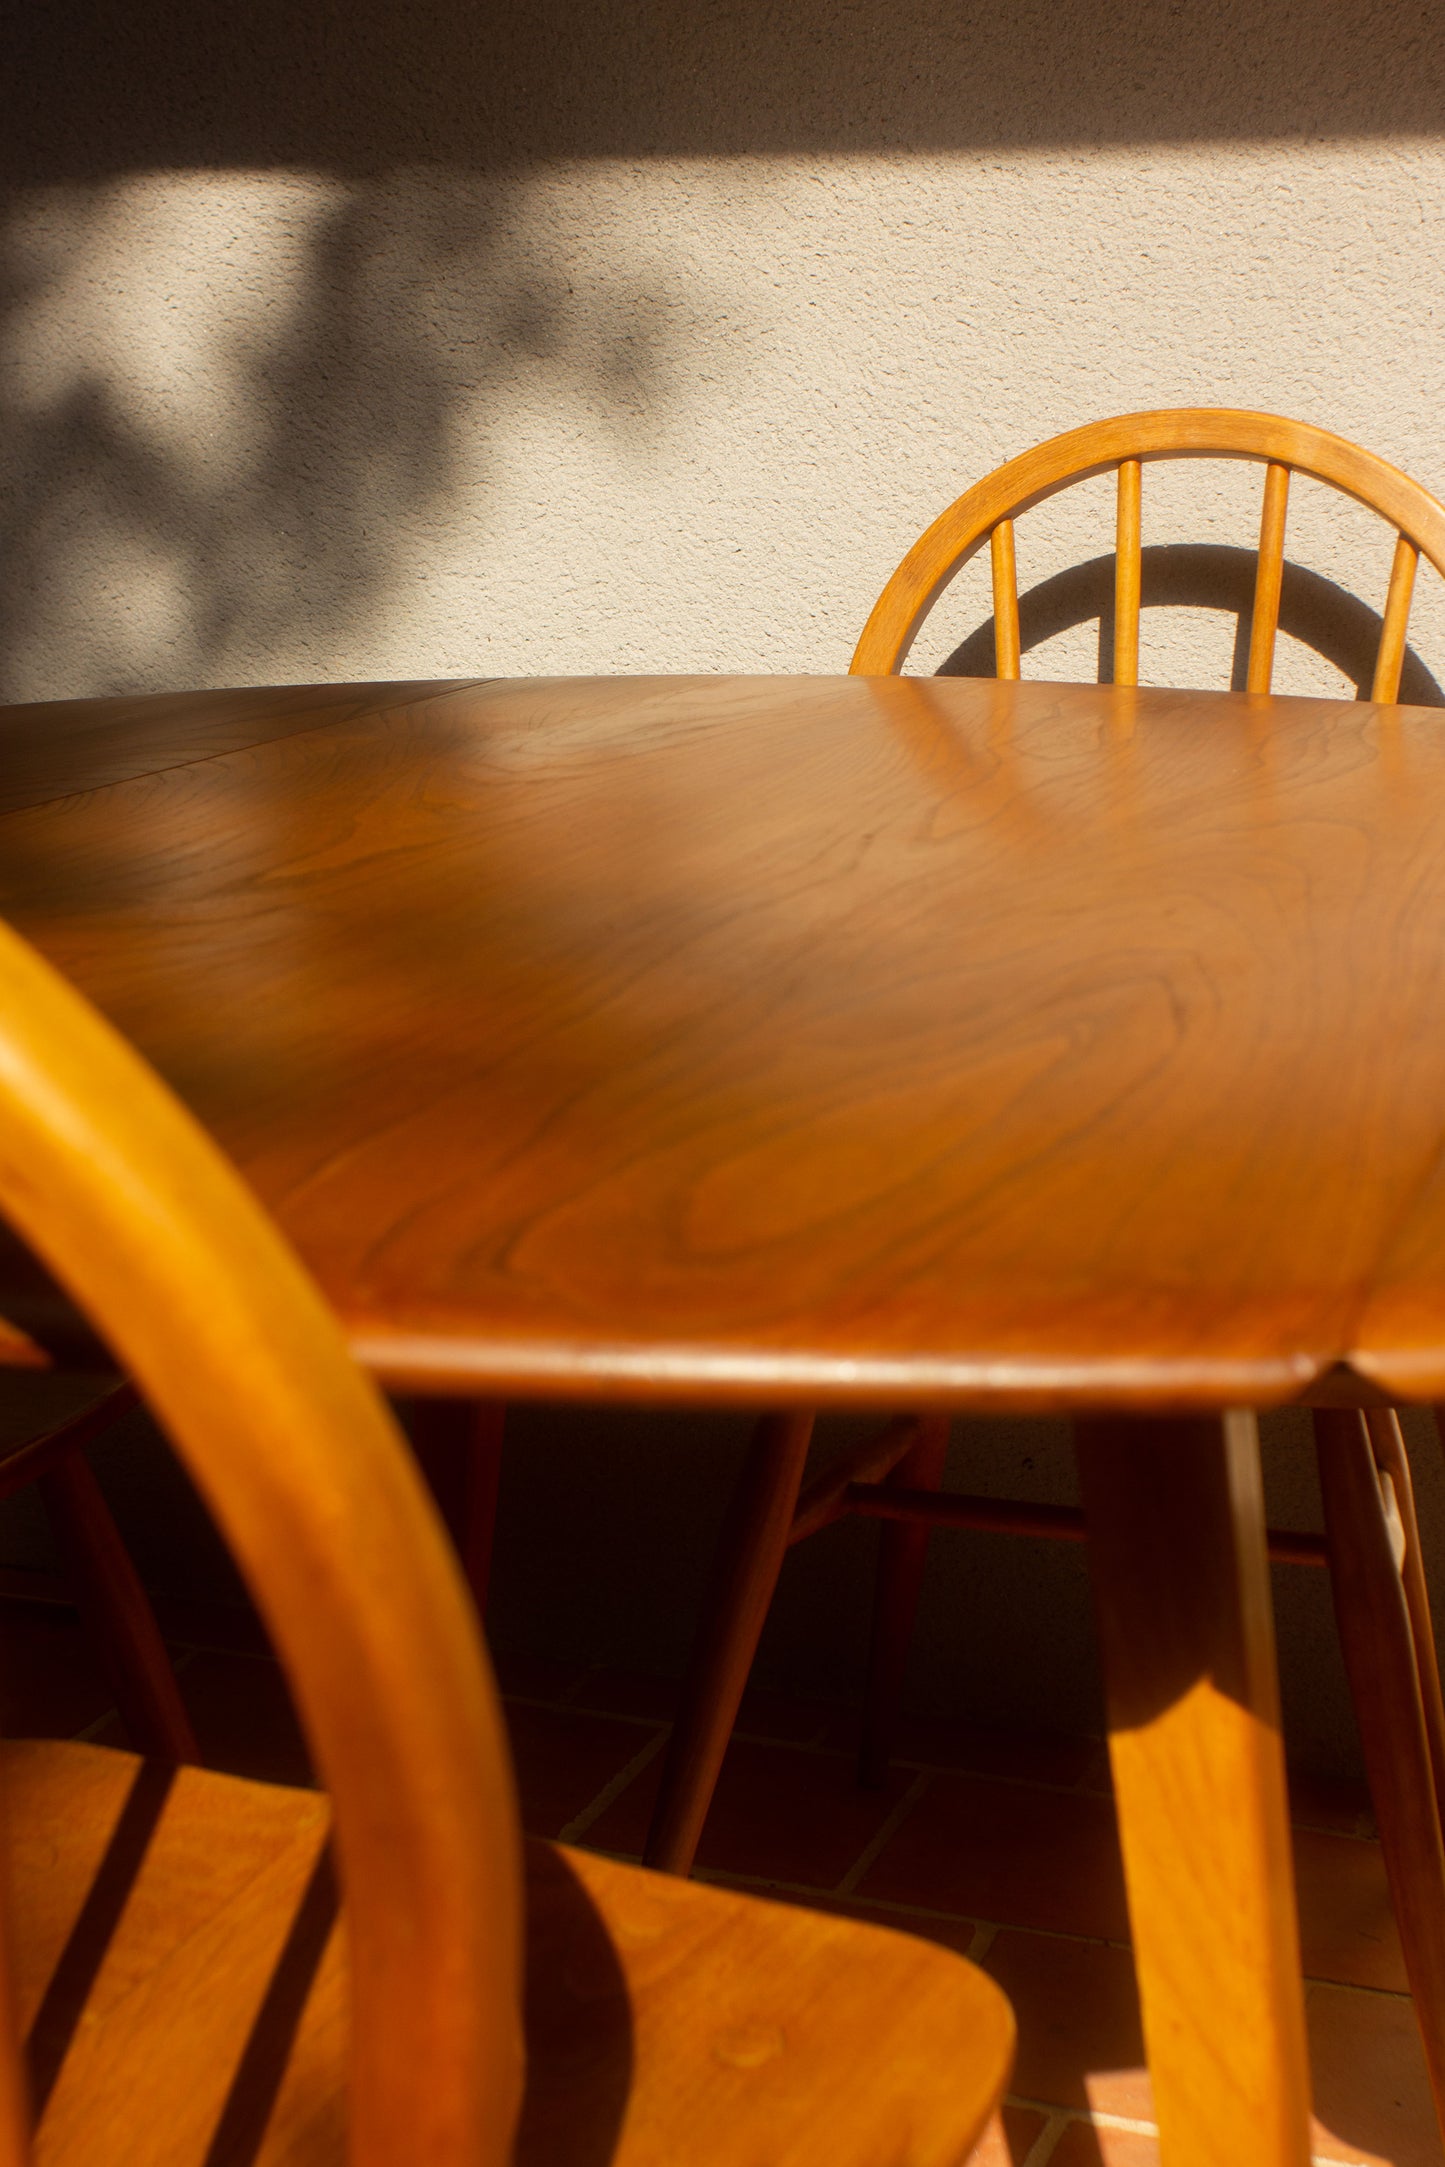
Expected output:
(1181, 1589)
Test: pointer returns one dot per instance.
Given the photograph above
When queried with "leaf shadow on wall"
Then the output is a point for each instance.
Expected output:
(214, 462)
(1322, 615)
(425, 301)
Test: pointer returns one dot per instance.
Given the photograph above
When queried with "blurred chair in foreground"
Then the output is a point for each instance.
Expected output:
(193, 1987)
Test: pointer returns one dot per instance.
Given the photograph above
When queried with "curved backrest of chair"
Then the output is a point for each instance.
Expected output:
(156, 1237)
(1127, 443)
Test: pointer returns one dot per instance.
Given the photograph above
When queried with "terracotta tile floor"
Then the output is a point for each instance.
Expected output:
(1003, 1848)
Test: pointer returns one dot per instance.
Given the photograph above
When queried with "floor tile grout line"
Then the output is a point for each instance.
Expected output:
(1058, 2119)
(1357, 1986)
(1047, 2142)
(884, 1835)
(999, 1926)
(1129, 2125)
(983, 1940)
(600, 1715)
(594, 1811)
(91, 1730)
(741, 1736)
(181, 1661)
(893, 1908)
(815, 1745)
(1132, 2125)
(985, 1929)
(1061, 2119)
(818, 1746)
(261, 1656)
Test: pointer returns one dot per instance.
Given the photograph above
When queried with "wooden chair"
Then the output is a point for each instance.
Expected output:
(172, 1952)
(1372, 1541)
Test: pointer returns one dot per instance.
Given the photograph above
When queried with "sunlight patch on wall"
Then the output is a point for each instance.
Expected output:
(673, 414)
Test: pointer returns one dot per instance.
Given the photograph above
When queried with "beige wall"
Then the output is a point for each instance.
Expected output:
(568, 341)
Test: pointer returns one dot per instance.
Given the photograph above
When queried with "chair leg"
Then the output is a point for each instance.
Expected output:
(1387, 1442)
(902, 1555)
(745, 1572)
(458, 1444)
(116, 1611)
(1380, 1659)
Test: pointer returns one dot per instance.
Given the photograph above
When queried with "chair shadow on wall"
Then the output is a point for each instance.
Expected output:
(1324, 617)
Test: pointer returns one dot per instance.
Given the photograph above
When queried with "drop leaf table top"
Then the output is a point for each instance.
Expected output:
(827, 1040)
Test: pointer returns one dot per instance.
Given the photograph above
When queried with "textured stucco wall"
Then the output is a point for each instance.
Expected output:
(569, 340)
(386, 341)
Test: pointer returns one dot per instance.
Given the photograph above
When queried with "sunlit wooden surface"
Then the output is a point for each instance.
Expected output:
(831, 1040)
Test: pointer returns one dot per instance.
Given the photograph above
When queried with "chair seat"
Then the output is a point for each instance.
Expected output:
(183, 1992)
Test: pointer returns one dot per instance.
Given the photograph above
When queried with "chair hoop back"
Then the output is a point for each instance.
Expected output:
(158, 1240)
(1123, 443)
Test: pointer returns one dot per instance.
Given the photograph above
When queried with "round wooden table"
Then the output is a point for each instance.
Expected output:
(837, 1041)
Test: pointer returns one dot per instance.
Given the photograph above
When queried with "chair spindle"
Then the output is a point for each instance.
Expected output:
(1391, 657)
(1114, 447)
(1268, 578)
(1005, 600)
(1127, 576)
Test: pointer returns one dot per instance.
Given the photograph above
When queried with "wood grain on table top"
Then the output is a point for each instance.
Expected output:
(51, 748)
(818, 1039)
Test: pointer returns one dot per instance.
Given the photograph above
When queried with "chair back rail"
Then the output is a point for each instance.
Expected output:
(155, 1236)
(1126, 444)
